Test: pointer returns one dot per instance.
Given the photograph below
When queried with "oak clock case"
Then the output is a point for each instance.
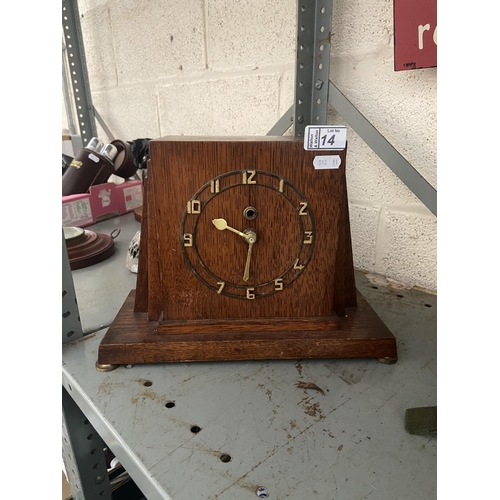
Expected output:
(250, 175)
(245, 254)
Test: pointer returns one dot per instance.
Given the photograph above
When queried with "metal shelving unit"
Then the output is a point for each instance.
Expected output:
(222, 430)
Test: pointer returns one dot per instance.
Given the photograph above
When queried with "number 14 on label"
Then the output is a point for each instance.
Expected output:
(325, 137)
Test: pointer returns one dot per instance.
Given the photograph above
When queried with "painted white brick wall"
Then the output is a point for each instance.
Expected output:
(219, 67)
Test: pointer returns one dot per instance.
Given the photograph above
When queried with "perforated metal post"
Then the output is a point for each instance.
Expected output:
(71, 324)
(83, 454)
(314, 21)
(83, 448)
(78, 76)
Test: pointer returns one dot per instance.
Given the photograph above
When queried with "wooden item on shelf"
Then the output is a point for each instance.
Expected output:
(245, 254)
(86, 248)
(138, 214)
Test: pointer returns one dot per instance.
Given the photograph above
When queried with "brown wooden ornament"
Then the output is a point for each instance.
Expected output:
(86, 248)
(245, 254)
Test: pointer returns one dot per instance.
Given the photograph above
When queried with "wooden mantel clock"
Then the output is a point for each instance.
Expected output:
(245, 254)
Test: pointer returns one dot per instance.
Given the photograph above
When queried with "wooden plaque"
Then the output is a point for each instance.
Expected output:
(245, 254)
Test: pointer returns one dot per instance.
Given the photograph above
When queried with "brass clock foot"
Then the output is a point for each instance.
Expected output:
(388, 360)
(103, 367)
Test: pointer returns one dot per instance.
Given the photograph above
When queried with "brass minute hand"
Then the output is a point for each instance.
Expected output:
(221, 224)
(246, 275)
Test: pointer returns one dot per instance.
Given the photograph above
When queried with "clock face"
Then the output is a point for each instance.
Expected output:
(247, 234)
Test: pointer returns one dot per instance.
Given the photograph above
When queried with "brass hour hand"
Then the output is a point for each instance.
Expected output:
(221, 224)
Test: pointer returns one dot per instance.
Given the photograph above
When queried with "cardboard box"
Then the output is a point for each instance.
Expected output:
(85, 209)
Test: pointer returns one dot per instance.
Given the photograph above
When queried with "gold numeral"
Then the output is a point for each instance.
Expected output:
(278, 284)
(303, 206)
(193, 207)
(296, 265)
(309, 237)
(248, 176)
(282, 185)
(188, 240)
(214, 186)
(250, 295)
(221, 286)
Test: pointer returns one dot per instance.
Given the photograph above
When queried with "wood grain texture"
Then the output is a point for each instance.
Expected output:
(155, 310)
(201, 326)
(179, 168)
(349, 281)
(132, 339)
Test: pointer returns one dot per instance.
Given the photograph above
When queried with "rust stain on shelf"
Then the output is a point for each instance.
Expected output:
(313, 410)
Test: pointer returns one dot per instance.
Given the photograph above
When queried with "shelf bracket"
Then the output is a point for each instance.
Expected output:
(424, 191)
(283, 124)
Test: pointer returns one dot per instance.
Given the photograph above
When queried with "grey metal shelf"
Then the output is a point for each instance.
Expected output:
(103, 293)
(345, 439)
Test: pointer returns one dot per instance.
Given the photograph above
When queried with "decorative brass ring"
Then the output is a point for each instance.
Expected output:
(250, 213)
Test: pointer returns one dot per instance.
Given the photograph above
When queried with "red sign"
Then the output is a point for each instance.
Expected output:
(415, 34)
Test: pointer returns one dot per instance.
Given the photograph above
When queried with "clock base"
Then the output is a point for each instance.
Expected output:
(133, 339)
